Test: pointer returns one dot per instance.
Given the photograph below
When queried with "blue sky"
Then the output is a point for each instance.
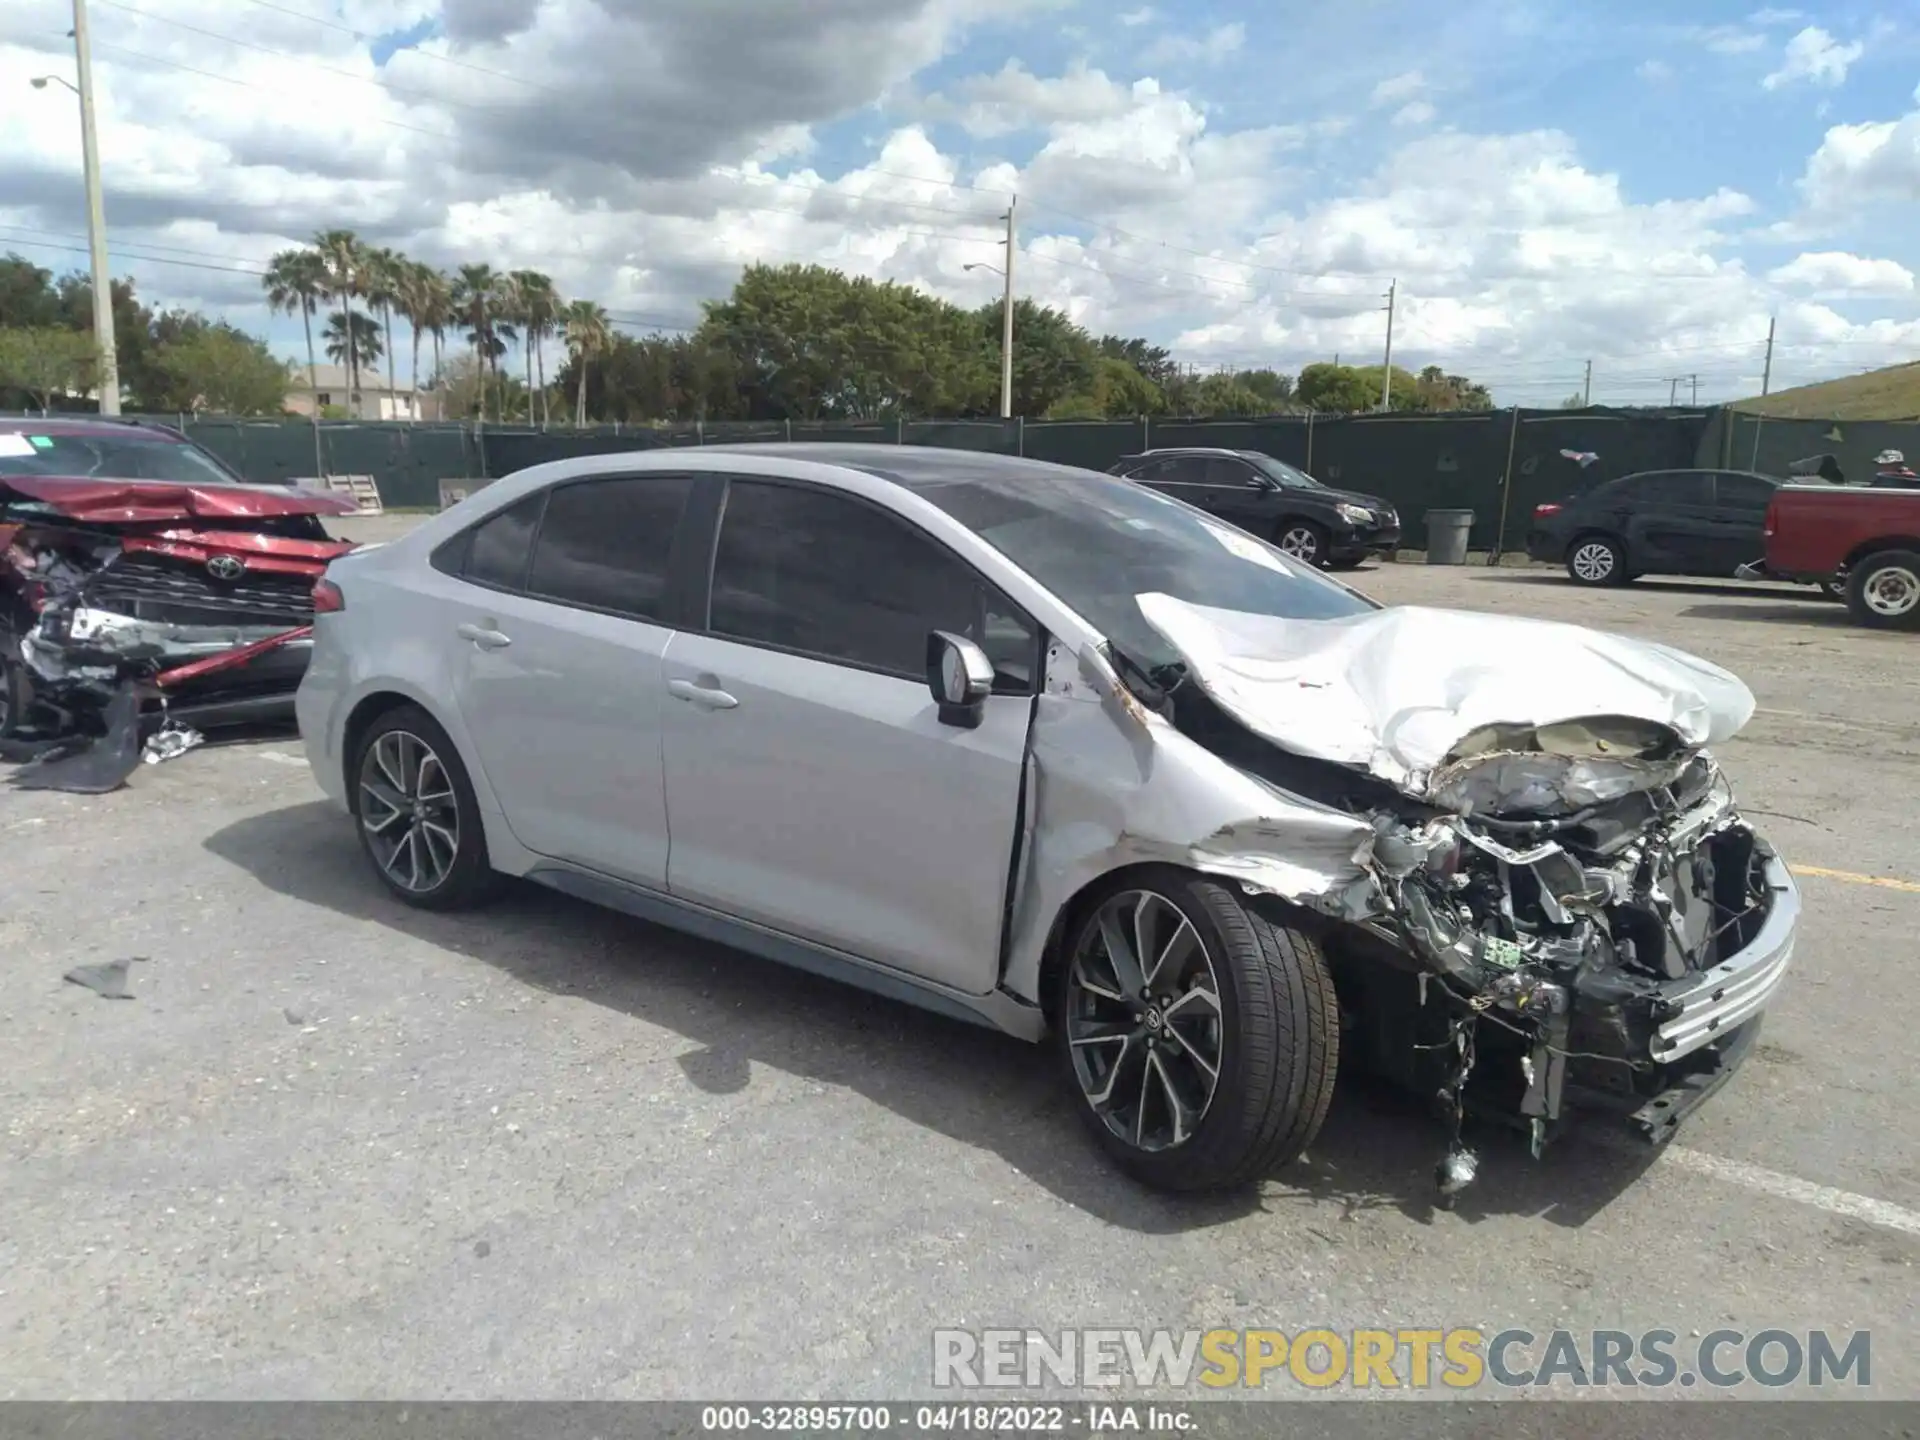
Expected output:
(1547, 183)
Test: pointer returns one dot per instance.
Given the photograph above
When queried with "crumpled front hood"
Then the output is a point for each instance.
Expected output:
(1396, 691)
(148, 501)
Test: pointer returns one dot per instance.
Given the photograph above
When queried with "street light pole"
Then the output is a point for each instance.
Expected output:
(1006, 323)
(109, 381)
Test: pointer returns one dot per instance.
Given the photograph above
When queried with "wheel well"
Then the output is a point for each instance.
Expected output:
(1874, 547)
(368, 711)
(1594, 532)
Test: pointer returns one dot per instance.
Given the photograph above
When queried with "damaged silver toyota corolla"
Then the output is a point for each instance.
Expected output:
(1054, 752)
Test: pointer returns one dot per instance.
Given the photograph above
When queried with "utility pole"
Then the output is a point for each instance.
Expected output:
(109, 378)
(1006, 322)
(1386, 377)
(1586, 390)
(1766, 384)
(1696, 388)
(1673, 391)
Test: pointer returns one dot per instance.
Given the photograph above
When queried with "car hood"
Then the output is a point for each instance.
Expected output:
(147, 501)
(1465, 710)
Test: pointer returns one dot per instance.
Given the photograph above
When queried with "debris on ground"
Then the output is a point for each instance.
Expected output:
(108, 980)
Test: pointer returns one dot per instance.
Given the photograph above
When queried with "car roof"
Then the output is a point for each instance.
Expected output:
(922, 467)
(86, 425)
(1194, 450)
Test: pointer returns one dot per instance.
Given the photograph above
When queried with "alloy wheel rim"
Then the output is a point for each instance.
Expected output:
(1892, 592)
(409, 812)
(1143, 1020)
(1301, 543)
(1593, 561)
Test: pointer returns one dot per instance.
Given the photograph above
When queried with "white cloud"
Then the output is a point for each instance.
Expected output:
(1770, 17)
(1654, 72)
(1837, 272)
(1220, 43)
(1133, 18)
(1859, 168)
(1729, 39)
(1397, 88)
(1420, 112)
(1014, 98)
(1815, 57)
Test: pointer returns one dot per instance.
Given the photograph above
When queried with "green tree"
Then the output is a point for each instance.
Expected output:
(1052, 357)
(1438, 391)
(46, 361)
(351, 334)
(27, 295)
(588, 332)
(296, 282)
(538, 305)
(383, 274)
(219, 369)
(1340, 389)
(345, 261)
(1575, 401)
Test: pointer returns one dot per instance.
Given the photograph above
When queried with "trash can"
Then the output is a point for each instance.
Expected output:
(1447, 532)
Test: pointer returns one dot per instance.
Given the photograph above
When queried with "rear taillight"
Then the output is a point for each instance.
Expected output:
(1540, 512)
(327, 598)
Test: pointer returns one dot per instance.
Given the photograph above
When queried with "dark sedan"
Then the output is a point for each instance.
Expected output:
(1272, 499)
(1659, 522)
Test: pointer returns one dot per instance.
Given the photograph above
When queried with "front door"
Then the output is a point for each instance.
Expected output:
(1739, 520)
(563, 684)
(811, 785)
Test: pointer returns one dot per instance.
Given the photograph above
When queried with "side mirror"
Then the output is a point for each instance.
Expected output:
(961, 678)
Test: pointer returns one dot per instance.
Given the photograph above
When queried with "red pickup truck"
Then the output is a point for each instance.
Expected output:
(1864, 542)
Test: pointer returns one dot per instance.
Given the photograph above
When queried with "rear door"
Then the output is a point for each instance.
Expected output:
(562, 686)
(1669, 522)
(1739, 518)
(812, 786)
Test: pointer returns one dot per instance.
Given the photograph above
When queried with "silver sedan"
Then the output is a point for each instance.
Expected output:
(1052, 752)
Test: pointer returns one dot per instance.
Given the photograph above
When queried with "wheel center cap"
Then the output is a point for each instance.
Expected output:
(419, 810)
(1153, 1019)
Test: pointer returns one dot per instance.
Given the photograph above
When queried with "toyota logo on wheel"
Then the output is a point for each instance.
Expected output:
(226, 567)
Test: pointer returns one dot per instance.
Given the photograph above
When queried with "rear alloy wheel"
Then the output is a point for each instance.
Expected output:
(1884, 590)
(1303, 540)
(1202, 1037)
(1597, 560)
(419, 823)
(16, 697)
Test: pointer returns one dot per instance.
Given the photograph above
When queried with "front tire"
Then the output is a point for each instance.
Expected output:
(1597, 560)
(16, 697)
(1302, 539)
(1883, 591)
(418, 820)
(1201, 1037)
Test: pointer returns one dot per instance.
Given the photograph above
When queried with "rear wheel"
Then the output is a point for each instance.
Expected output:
(16, 697)
(1884, 590)
(418, 820)
(1303, 540)
(1201, 1036)
(1597, 560)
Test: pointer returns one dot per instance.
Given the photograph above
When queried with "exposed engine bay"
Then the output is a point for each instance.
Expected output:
(120, 636)
(1554, 914)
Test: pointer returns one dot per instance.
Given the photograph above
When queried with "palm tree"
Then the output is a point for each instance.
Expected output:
(588, 333)
(539, 311)
(344, 258)
(297, 280)
(351, 335)
(436, 309)
(481, 298)
(380, 280)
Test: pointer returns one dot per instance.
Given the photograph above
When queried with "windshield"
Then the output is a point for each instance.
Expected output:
(1098, 543)
(1279, 470)
(114, 456)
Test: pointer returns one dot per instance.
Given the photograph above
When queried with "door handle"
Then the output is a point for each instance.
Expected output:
(704, 692)
(483, 637)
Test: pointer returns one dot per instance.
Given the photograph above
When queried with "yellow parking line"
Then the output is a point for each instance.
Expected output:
(1912, 887)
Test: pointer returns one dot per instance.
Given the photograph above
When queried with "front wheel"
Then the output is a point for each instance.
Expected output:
(1883, 590)
(1201, 1037)
(1303, 540)
(418, 820)
(1597, 560)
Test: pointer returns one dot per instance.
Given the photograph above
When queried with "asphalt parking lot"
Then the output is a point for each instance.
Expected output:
(335, 1148)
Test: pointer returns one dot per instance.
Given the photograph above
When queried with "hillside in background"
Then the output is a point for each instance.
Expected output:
(1889, 394)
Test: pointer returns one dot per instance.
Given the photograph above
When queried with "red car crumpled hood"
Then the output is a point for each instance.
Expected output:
(153, 501)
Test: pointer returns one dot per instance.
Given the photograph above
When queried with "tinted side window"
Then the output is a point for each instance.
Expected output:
(1684, 487)
(498, 554)
(1155, 470)
(1742, 492)
(826, 575)
(1224, 471)
(605, 543)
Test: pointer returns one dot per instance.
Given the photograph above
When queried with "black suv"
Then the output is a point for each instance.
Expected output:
(1335, 528)
(1659, 522)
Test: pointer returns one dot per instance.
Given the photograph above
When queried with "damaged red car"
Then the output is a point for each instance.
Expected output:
(147, 591)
